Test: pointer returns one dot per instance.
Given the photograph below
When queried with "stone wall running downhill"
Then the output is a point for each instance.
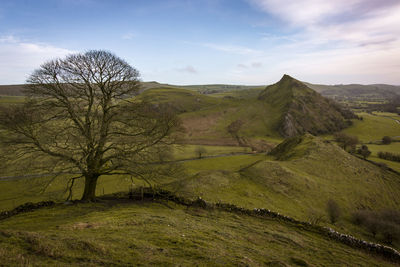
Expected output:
(149, 194)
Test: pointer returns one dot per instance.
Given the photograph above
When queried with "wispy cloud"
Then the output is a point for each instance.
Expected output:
(255, 65)
(128, 36)
(234, 49)
(19, 58)
(187, 69)
(356, 40)
(352, 21)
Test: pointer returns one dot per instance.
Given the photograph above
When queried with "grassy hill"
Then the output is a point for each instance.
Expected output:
(206, 117)
(138, 233)
(180, 99)
(11, 90)
(302, 109)
(298, 179)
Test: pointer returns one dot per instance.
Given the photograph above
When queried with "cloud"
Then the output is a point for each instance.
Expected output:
(341, 40)
(234, 49)
(256, 64)
(351, 21)
(188, 69)
(128, 36)
(19, 58)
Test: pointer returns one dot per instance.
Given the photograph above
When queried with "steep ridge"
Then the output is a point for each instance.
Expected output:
(303, 109)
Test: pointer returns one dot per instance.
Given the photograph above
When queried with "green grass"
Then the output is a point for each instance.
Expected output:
(229, 163)
(259, 119)
(11, 99)
(149, 234)
(181, 99)
(189, 151)
(14, 193)
(298, 186)
(206, 117)
(373, 128)
(394, 147)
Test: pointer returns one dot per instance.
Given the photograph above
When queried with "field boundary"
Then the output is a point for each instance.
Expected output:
(387, 252)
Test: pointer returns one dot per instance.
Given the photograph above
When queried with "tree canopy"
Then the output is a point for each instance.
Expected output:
(82, 117)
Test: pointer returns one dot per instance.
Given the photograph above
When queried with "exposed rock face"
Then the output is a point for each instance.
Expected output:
(303, 109)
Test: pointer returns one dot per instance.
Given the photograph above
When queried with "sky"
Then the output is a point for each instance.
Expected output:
(252, 42)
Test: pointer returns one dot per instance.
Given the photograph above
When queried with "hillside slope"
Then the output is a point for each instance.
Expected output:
(298, 179)
(304, 110)
(165, 234)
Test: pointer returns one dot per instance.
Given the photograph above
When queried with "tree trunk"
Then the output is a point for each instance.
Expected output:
(89, 193)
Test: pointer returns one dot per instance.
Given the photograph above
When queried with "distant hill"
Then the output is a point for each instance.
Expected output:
(303, 109)
(373, 92)
(376, 92)
(12, 90)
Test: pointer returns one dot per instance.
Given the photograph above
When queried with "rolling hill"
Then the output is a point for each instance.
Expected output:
(297, 179)
(126, 233)
(354, 92)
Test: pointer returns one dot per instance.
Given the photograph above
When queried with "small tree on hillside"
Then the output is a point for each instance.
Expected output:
(333, 210)
(364, 151)
(346, 141)
(386, 140)
(81, 118)
(200, 151)
(234, 128)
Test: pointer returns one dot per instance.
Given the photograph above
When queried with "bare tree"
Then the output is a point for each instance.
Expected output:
(200, 151)
(82, 117)
(346, 141)
(233, 129)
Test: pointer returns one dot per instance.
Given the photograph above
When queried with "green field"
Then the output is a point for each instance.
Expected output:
(373, 127)
(181, 152)
(19, 191)
(11, 99)
(394, 147)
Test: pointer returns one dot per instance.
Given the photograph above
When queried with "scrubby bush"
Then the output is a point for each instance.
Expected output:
(234, 128)
(359, 217)
(346, 141)
(333, 210)
(364, 151)
(386, 140)
(384, 225)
